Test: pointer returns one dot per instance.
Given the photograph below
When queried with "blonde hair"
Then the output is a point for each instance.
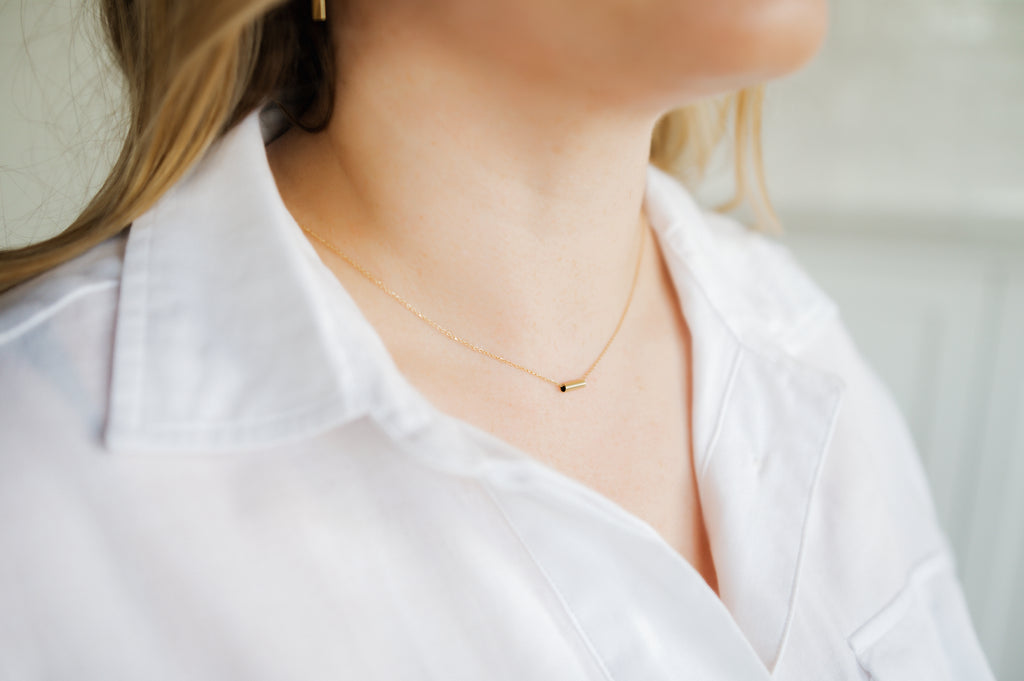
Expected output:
(193, 69)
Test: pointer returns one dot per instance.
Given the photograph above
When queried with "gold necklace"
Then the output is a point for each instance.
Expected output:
(564, 386)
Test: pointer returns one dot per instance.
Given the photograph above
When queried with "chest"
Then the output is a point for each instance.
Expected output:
(627, 435)
(645, 465)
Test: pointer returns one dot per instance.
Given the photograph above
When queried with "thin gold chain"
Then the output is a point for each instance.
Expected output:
(563, 385)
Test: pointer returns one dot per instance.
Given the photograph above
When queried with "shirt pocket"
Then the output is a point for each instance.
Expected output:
(925, 632)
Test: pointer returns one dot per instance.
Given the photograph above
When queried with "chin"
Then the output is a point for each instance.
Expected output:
(774, 39)
(783, 37)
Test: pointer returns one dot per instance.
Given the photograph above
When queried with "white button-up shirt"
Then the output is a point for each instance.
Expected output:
(211, 468)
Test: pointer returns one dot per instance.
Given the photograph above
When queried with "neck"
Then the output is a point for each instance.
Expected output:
(508, 209)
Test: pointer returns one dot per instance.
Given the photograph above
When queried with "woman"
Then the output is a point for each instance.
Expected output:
(343, 401)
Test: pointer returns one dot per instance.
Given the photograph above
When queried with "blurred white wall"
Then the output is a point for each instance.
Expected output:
(896, 160)
(913, 107)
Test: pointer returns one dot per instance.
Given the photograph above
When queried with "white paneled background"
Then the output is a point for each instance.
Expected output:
(896, 161)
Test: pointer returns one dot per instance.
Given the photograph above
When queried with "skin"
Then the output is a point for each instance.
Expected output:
(487, 161)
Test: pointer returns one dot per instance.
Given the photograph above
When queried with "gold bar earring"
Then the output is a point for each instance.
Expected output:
(319, 10)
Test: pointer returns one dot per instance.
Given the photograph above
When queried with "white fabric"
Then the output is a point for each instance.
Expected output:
(211, 468)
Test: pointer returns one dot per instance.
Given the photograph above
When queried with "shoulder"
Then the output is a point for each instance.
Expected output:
(874, 447)
(771, 295)
(873, 464)
(875, 543)
(750, 277)
(875, 548)
(872, 491)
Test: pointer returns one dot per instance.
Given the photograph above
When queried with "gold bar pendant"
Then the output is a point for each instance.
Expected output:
(572, 385)
(319, 10)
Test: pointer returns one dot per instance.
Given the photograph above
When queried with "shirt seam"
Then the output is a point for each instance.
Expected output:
(302, 423)
(127, 379)
(51, 310)
(578, 628)
(721, 410)
(246, 425)
(838, 398)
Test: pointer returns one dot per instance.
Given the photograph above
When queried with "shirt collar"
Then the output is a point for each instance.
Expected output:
(227, 339)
